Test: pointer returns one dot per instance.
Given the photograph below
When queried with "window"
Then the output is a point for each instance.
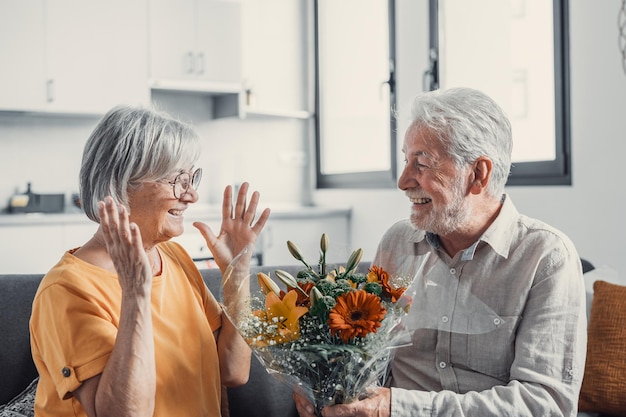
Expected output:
(517, 52)
(355, 97)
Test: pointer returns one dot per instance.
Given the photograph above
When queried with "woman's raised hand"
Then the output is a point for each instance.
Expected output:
(239, 229)
(125, 247)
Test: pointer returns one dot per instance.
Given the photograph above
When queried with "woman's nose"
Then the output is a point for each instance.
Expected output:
(190, 195)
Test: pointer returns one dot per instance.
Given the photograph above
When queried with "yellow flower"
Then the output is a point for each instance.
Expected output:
(357, 313)
(285, 314)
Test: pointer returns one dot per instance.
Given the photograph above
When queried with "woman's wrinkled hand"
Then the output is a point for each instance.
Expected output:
(125, 247)
(239, 229)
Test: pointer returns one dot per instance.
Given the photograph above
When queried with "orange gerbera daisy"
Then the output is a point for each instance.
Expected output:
(357, 313)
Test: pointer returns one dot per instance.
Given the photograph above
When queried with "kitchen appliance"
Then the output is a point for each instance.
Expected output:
(30, 202)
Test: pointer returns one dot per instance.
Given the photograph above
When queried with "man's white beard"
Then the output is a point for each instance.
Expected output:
(451, 218)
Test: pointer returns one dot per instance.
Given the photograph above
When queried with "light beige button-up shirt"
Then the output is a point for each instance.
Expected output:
(524, 279)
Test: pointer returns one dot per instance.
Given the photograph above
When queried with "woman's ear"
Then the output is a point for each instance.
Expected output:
(482, 174)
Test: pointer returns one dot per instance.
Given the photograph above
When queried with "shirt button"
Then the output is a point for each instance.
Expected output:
(452, 271)
(497, 321)
(66, 372)
(442, 364)
(444, 319)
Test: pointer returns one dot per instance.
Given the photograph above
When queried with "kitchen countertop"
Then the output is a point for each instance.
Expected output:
(205, 212)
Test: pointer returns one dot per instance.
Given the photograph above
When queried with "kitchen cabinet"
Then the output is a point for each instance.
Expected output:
(37, 247)
(276, 59)
(193, 241)
(305, 232)
(302, 225)
(72, 56)
(304, 229)
(96, 54)
(22, 54)
(77, 234)
(195, 45)
(33, 243)
(29, 249)
(195, 245)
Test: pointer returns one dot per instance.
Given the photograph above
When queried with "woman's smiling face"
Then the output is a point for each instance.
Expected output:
(157, 212)
(433, 183)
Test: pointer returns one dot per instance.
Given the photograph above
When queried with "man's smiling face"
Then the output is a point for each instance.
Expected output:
(434, 184)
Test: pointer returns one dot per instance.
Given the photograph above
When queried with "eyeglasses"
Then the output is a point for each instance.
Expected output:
(180, 185)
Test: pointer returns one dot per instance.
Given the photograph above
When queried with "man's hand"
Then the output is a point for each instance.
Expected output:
(303, 405)
(377, 404)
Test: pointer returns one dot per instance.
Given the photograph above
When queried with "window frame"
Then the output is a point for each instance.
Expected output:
(358, 180)
(559, 170)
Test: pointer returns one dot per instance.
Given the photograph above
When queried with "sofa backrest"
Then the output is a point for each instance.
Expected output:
(16, 299)
(262, 396)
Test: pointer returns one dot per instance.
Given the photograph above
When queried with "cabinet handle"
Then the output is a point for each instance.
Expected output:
(189, 62)
(201, 63)
(50, 90)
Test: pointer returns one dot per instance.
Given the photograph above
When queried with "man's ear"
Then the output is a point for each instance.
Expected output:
(482, 170)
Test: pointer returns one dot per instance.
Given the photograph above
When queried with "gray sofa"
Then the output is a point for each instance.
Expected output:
(262, 396)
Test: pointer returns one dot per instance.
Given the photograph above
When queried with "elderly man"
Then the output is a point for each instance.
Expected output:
(531, 361)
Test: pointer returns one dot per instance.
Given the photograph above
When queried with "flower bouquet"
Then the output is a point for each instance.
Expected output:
(329, 332)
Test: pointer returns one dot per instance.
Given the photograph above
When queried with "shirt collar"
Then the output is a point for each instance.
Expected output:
(498, 235)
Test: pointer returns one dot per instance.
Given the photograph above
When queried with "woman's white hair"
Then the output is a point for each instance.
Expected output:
(130, 145)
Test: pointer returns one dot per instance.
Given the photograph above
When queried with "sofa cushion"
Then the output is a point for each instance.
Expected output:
(604, 382)
(601, 273)
(16, 299)
(23, 404)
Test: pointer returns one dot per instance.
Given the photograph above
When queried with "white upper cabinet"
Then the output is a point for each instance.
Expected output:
(96, 54)
(276, 59)
(195, 45)
(73, 56)
(86, 56)
(22, 83)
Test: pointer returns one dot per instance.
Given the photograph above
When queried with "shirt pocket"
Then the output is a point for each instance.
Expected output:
(492, 353)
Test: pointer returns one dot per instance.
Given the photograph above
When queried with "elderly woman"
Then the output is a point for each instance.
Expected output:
(124, 325)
